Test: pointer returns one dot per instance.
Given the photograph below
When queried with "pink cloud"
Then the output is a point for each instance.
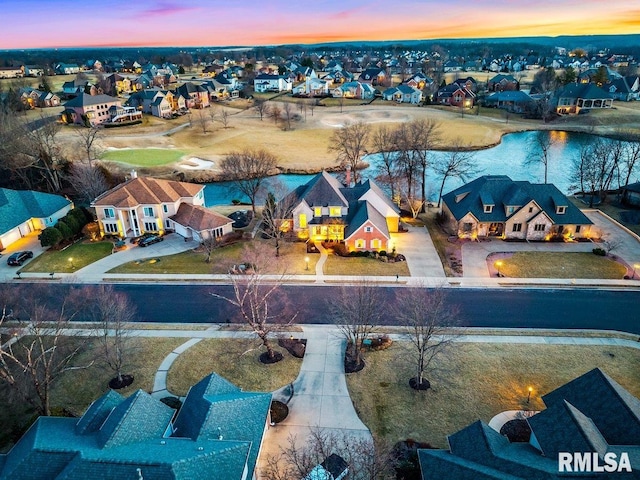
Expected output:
(167, 9)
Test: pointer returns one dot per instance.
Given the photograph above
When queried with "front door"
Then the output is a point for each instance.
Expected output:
(495, 229)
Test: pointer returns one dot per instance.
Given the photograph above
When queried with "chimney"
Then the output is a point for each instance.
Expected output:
(347, 177)
(134, 174)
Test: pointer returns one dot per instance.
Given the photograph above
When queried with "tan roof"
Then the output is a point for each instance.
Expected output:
(199, 218)
(146, 191)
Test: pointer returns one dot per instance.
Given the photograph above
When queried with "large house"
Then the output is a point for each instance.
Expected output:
(144, 204)
(361, 216)
(403, 94)
(356, 90)
(89, 109)
(582, 96)
(495, 205)
(502, 82)
(456, 95)
(591, 415)
(265, 82)
(217, 434)
(26, 211)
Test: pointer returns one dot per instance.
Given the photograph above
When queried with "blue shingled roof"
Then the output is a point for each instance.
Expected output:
(18, 206)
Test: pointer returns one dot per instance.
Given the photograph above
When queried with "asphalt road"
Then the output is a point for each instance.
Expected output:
(520, 308)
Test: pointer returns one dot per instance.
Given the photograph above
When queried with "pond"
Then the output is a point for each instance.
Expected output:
(507, 158)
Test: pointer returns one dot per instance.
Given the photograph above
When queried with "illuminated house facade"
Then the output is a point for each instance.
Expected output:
(495, 205)
(361, 216)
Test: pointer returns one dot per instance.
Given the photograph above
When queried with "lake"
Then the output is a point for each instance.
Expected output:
(507, 158)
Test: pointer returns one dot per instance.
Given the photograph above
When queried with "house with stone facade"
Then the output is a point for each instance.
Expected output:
(496, 206)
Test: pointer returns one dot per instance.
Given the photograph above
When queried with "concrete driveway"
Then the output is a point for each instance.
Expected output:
(28, 242)
(474, 254)
(422, 257)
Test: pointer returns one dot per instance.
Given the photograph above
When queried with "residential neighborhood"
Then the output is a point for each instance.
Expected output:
(387, 260)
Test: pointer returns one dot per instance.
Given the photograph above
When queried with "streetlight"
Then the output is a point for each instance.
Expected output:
(529, 395)
(71, 262)
(306, 261)
(498, 265)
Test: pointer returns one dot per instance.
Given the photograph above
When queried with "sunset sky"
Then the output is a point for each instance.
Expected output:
(73, 23)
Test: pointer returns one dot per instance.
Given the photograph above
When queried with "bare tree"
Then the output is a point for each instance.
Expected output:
(210, 245)
(213, 113)
(366, 459)
(274, 112)
(31, 365)
(312, 103)
(594, 168)
(631, 158)
(383, 142)
(247, 170)
(428, 317)
(350, 144)
(112, 312)
(225, 117)
(87, 138)
(261, 302)
(541, 144)
(276, 215)
(457, 163)
(425, 135)
(288, 114)
(88, 181)
(261, 107)
(356, 310)
(201, 120)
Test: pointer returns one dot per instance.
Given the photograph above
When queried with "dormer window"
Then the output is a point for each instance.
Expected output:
(317, 211)
(488, 208)
(561, 210)
(335, 211)
(510, 210)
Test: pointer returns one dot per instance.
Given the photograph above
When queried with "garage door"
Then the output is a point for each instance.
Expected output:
(9, 237)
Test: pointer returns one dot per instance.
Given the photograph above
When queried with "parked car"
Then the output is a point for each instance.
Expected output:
(19, 258)
(145, 242)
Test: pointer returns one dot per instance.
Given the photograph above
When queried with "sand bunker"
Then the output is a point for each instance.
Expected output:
(374, 116)
(195, 163)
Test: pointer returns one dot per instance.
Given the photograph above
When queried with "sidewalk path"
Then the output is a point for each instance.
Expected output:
(324, 255)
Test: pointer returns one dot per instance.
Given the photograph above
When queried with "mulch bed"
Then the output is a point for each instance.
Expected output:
(116, 384)
(266, 359)
(294, 346)
(279, 411)
(516, 430)
(425, 385)
(350, 364)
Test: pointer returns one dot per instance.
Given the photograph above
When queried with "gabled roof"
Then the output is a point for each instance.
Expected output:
(86, 100)
(587, 91)
(365, 212)
(146, 191)
(323, 190)
(613, 410)
(18, 206)
(506, 192)
(498, 78)
(199, 218)
(516, 96)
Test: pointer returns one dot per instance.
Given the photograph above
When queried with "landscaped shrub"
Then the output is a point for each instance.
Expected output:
(65, 230)
(382, 253)
(72, 223)
(82, 215)
(441, 218)
(338, 248)
(91, 231)
(50, 237)
(599, 251)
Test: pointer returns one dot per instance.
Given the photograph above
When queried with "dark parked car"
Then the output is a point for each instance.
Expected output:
(145, 242)
(19, 258)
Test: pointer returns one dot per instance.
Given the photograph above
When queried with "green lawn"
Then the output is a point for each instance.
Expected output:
(473, 381)
(361, 266)
(237, 361)
(560, 265)
(221, 260)
(71, 259)
(144, 157)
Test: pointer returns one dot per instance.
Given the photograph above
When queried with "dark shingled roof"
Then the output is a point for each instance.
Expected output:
(503, 192)
(85, 100)
(587, 91)
(199, 218)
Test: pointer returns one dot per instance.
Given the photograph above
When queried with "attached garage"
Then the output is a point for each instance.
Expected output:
(199, 223)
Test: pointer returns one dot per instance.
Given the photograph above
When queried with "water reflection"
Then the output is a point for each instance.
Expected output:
(508, 158)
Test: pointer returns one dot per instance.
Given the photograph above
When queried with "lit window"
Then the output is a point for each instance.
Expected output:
(335, 211)
(359, 243)
(302, 220)
(148, 211)
(317, 212)
(375, 244)
(517, 227)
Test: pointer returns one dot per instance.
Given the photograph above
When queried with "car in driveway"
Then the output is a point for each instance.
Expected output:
(19, 258)
(145, 242)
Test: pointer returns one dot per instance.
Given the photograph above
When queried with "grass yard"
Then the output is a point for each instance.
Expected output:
(560, 265)
(144, 157)
(474, 381)
(361, 266)
(83, 253)
(234, 359)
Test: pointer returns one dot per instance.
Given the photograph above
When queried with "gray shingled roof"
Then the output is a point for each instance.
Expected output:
(85, 100)
(506, 192)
